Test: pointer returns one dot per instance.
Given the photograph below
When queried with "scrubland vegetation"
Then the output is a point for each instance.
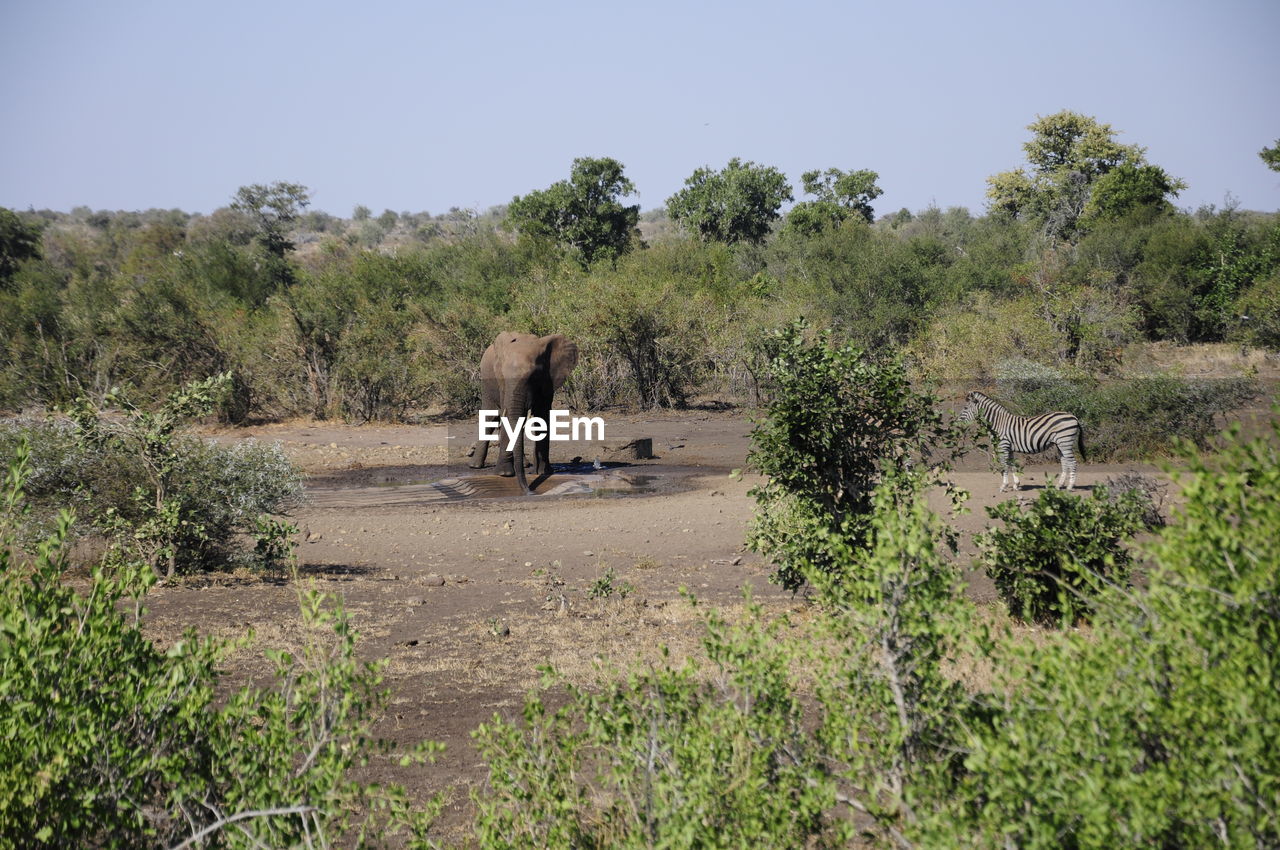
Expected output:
(1140, 716)
(1152, 721)
(1080, 260)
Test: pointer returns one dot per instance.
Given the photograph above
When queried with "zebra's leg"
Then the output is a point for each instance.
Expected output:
(1005, 453)
(1067, 477)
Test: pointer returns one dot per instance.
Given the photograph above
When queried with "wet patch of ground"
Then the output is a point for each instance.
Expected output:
(406, 485)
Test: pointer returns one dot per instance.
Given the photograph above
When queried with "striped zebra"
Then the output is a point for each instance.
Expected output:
(1028, 434)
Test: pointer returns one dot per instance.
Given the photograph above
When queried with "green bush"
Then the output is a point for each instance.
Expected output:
(107, 740)
(1258, 313)
(1051, 558)
(837, 422)
(1135, 417)
(139, 480)
(663, 759)
(643, 336)
(957, 347)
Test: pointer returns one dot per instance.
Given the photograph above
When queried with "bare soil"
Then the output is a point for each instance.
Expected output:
(467, 588)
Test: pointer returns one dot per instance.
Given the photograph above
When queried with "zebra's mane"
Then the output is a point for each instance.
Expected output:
(979, 397)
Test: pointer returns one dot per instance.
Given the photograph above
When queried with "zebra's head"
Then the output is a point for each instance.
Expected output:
(970, 406)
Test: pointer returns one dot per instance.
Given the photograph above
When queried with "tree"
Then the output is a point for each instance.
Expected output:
(273, 209)
(840, 195)
(738, 204)
(1271, 156)
(1130, 187)
(19, 241)
(1072, 158)
(583, 212)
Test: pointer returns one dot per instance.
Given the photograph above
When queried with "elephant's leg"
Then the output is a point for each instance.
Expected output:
(506, 459)
(478, 453)
(489, 400)
(542, 448)
(505, 466)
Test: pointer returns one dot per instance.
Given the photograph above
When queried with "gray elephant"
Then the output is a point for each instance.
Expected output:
(519, 373)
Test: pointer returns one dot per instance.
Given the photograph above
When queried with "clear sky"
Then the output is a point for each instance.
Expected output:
(423, 106)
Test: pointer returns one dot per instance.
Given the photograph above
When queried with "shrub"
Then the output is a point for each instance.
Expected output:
(664, 759)
(1054, 556)
(107, 740)
(1147, 493)
(958, 347)
(643, 337)
(173, 499)
(1258, 314)
(837, 422)
(892, 711)
(377, 373)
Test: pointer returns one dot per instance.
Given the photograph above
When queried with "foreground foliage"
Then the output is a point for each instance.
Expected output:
(108, 740)
(723, 753)
(1159, 725)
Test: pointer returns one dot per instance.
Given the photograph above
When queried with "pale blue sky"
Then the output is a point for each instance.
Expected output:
(428, 105)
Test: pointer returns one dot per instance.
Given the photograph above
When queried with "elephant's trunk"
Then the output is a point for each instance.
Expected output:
(519, 407)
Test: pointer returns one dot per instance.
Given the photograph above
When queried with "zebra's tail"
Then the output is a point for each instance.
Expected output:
(1080, 444)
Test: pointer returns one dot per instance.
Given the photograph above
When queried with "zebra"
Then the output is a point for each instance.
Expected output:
(1028, 434)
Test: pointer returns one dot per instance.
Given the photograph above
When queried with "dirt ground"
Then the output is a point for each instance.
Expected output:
(467, 588)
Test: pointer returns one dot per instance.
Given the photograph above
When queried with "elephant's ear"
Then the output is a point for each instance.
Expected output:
(563, 357)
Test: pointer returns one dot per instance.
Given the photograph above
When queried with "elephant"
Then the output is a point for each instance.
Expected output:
(519, 373)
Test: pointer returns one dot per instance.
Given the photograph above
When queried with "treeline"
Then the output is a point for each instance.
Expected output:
(1080, 255)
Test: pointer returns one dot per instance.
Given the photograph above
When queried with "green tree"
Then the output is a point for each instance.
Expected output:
(273, 209)
(19, 241)
(840, 195)
(1069, 154)
(1127, 188)
(583, 212)
(1271, 156)
(163, 530)
(738, 204)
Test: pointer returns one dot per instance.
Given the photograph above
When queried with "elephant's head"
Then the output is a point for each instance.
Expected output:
(528, 370)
